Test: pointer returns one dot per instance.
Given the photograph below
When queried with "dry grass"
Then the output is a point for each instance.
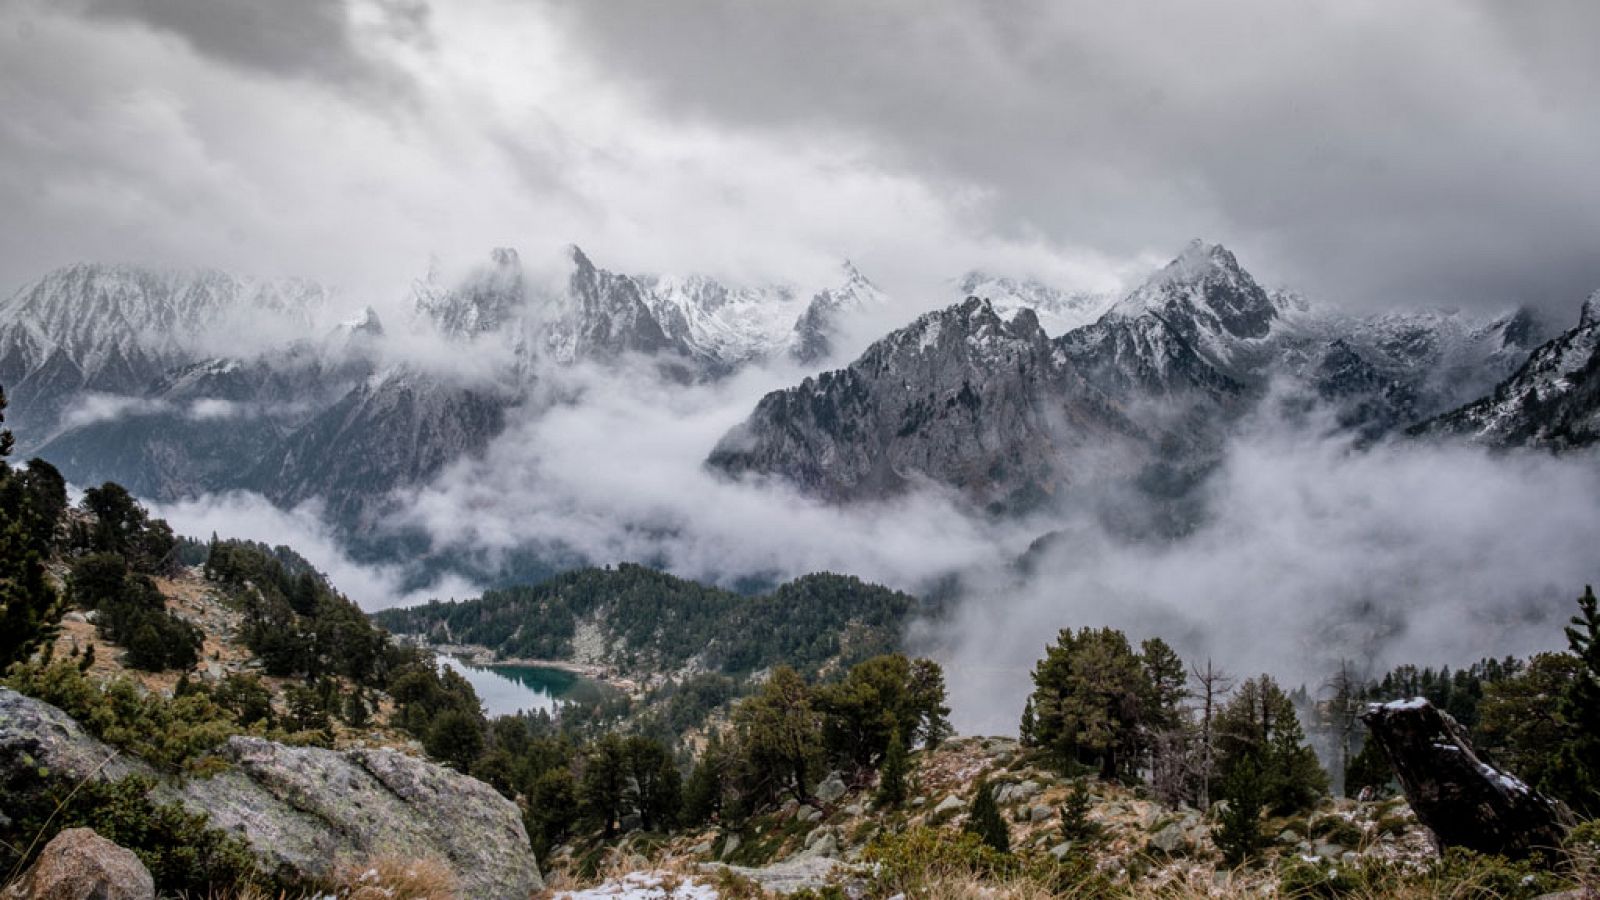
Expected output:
(392, 878)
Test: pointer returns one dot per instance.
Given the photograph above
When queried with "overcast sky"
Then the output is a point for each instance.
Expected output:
(1369, 153)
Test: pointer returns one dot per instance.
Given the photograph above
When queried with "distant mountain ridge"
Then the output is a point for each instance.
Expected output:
(1009, 417)
(1551, 402)
(1016, 396)
(137, 375)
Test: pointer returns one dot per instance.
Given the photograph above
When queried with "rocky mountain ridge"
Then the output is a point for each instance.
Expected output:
(1144, 393)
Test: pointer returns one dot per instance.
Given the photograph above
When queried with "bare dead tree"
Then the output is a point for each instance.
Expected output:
(1175, 765)
(1342, 712)
(1214, 684)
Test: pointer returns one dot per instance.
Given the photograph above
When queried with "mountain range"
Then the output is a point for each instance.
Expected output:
(138, 376)
(1015, 396)
(1146, 392)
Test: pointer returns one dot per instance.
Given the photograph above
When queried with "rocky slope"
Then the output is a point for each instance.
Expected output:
(114, 370)
(1147, 392)
(304, 811)
(960, 397)
(1551, 402)
(1143, 848)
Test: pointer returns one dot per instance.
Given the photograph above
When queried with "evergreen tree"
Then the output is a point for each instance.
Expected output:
(876, 698)
(1238, 832)
(780, 736)
(892, 775)
(1259, 726)
(356, 714)
(655, 787)
(30, 504)
(603, 786)
(553, 808)
(1088, 701)
(1577, 769)
(145, 650)
(1076, 826)
(702, 796)
(985, 821)
(455, 738)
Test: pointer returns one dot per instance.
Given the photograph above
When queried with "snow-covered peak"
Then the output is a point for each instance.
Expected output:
(1205, 283)
(1059, 311)
(1590, 314)
(136, 320)
(364, 326)
(482, 302)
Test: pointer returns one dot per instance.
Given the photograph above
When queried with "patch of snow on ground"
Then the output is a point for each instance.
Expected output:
(644, 886)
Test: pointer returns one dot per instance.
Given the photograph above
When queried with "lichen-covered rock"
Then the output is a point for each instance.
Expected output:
(38, 735)
(304, 810)
(1463, 800)
(78, 864)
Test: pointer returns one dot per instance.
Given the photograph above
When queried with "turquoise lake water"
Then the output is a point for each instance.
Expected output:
(505, 690)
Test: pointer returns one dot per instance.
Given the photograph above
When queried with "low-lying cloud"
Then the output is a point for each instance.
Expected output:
(614, 471)
(1312, 552)
(247, 516)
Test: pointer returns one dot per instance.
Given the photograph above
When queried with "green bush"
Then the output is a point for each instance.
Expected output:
(1337, 829)
(182, 852)
(1302, 877)
(172, 733)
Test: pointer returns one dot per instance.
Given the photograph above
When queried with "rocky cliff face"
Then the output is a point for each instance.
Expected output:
(1159, 378)
(305, 810)
(961, 397)
(1551, 402)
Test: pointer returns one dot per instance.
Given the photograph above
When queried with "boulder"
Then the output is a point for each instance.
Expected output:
(35, 734)
(305, 810)
(78, 864)
(949, 804)
(1171, 840)
(831, 788)
(1463, 800)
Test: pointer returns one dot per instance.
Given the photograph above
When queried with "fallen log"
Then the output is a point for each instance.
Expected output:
(1463, 800)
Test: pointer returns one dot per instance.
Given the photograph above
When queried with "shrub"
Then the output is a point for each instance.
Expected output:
(182, 852)
(1337, 829)
(171, 733)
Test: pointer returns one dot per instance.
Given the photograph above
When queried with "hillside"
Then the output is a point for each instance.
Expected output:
(633, 620)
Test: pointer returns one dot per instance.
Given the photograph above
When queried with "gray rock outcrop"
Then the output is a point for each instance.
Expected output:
(306, 810)
(78, 864)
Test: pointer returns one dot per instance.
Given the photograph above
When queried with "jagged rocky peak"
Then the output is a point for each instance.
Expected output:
(971, 329)
(1059, 311)
(1589, 315)
(812, 338)
(1204, 288)
(481, 302)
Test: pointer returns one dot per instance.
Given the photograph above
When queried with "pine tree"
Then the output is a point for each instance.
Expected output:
(356, 714)
(1577, 769)
(892, 776)
(1076, 826)
(985, 821)
(702, 796)
(1238, 831)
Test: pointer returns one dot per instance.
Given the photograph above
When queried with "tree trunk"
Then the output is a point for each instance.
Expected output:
(1463, 800)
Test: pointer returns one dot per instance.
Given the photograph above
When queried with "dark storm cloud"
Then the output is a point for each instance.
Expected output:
(293, 38)
(1379, 153)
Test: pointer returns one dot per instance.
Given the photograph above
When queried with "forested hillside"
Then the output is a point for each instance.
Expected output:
(642, 620)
